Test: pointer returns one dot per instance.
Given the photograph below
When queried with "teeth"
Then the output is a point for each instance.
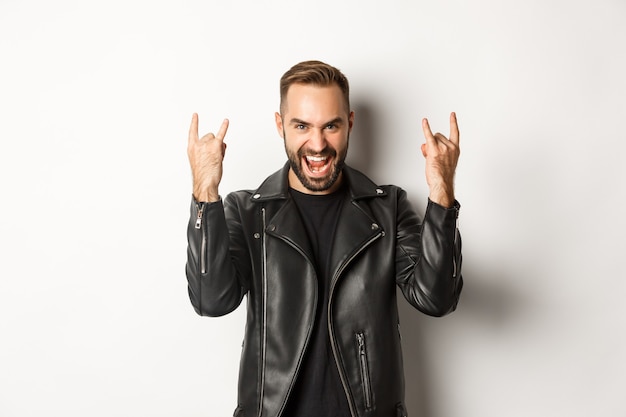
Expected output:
(316, 158)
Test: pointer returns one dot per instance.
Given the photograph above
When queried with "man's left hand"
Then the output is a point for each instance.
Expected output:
(442, 155)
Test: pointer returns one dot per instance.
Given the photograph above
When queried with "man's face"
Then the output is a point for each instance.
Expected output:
(315, 126)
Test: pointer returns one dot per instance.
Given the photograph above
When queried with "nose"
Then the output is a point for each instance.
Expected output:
(317, 141)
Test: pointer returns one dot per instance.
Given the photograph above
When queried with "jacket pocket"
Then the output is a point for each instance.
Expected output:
(365, 370)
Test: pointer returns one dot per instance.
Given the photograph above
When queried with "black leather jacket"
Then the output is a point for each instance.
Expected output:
(255, 244)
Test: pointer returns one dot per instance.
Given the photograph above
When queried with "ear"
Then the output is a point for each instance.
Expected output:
(279, 124)
(350, 121)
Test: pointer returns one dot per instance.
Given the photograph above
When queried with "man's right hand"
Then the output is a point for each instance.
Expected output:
(205, 157)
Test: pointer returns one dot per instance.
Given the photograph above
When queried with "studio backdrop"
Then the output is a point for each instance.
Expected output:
(95, 104)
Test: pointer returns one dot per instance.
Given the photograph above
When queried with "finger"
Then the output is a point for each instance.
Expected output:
(424, 150)
(223, 129)
(454, 129)
(193, 129)
(428, 134)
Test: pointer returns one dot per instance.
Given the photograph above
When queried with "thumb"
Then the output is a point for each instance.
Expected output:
(424, 150)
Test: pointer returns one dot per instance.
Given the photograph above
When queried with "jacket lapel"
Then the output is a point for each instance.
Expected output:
(287, 225)
(283, 217)
(357, 227)
(355, 230)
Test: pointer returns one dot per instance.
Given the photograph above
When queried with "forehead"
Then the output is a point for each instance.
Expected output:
(315, 100)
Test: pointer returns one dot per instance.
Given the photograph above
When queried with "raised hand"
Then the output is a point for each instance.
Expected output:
(442, 155)
(205, 157)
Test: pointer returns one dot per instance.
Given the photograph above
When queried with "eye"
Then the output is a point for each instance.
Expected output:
(331, 126)
(300, 126)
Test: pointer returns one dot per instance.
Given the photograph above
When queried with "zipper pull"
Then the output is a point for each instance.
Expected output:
(200, 208)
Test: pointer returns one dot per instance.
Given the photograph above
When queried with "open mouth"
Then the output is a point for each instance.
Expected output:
(317, 166)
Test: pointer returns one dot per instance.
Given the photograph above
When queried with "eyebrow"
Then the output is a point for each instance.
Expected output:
(335, 121)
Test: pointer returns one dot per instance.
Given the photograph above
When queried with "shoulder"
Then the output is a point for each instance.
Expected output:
(273, 187)
(361, 186)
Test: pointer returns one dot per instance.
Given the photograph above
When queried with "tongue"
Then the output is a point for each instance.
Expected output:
(317, 164)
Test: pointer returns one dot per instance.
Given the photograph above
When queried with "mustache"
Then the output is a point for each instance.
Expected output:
(323, 153)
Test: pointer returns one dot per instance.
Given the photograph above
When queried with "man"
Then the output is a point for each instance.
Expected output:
(318, 249)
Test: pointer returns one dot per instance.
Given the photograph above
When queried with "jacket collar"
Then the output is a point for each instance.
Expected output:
(276, 186)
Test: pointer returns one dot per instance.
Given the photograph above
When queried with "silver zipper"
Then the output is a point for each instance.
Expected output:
(264, 323)
(200, 208)
(203, 254)
(365, 371)
(456, 238)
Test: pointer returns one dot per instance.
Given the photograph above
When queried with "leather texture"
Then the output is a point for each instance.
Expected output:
(254, 244)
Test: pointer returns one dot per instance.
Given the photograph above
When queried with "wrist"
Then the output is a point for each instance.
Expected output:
(207, 195)
(443, 197)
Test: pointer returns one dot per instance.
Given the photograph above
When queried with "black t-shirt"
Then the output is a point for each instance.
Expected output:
(318, 390)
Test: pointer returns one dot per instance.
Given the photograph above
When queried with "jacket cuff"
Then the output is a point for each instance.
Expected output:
(456, 207)
(199, 209)
(206, 203)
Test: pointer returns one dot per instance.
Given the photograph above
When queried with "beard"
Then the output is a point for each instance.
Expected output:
(317, 184)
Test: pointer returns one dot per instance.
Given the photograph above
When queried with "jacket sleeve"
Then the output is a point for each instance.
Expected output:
(213, 274)
(428, 257)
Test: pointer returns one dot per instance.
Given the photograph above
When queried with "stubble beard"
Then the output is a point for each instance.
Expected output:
(316, 184)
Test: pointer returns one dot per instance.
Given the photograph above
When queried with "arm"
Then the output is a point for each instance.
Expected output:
(216, 286)
(428, 257)
(213, 284)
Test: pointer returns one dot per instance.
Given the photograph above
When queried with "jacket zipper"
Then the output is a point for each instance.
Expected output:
(264, 318)
(200, 209)
(365, 371)
(330, 324)
(454, 250)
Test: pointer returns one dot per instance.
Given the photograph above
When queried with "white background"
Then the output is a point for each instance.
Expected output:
(95, 104)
